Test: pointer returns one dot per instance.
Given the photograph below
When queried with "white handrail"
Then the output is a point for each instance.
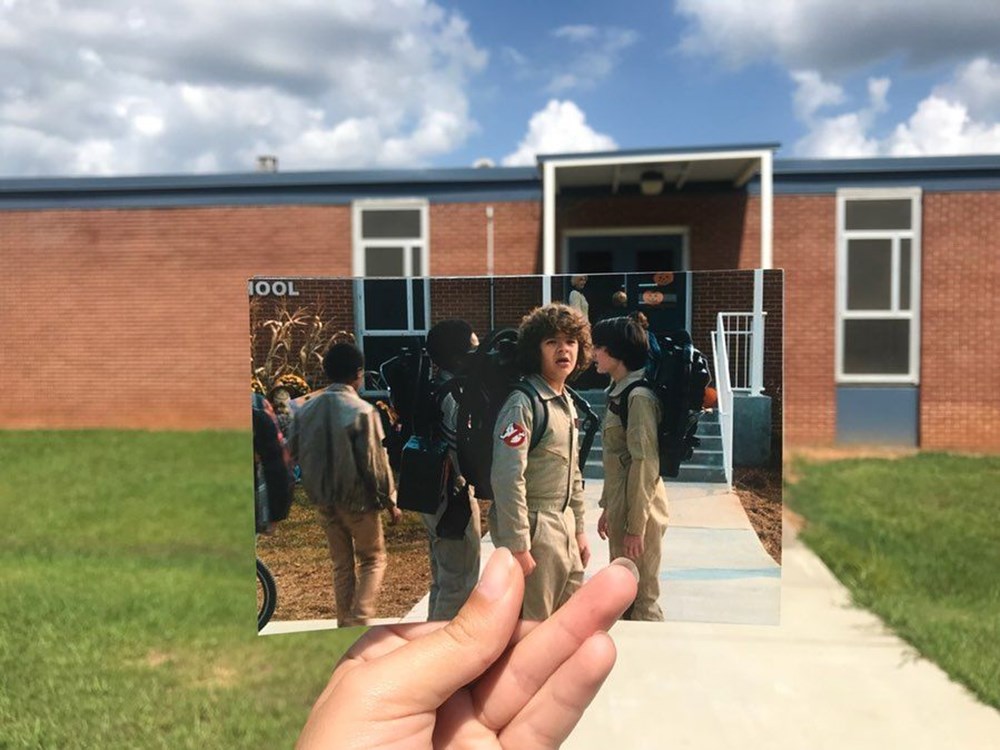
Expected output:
(745, 349)
(723, 384)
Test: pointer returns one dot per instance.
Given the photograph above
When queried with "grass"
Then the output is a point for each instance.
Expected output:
(917, 541)
(126, 577)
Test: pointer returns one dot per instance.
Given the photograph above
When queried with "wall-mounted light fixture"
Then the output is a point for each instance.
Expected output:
(651, 182)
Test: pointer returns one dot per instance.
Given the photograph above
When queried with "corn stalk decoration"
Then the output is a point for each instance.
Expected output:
(293, 343)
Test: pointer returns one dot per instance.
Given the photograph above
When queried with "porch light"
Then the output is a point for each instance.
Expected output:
(651, 182)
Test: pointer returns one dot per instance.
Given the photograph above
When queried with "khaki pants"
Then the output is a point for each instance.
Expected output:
(646, 605)
(454, 564)
(357, 551)
(559, 570)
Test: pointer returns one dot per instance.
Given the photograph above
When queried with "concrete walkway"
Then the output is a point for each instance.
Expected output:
(714, 568)
(829, 677)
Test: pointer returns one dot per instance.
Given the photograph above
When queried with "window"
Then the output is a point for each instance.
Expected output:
(878, 286)
(390, 249)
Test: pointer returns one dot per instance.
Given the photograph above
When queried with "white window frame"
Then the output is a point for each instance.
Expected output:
(895, 236)
(360, 245)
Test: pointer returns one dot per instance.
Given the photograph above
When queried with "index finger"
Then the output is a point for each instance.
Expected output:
(500, 694)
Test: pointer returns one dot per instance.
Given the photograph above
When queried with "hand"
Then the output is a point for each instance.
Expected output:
(602, 525)
(395, 515)
(584, 545)
(633, 546)
(526, 561)
(481, 681)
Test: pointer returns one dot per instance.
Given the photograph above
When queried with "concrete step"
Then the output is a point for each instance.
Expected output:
(708, 429)
(710, 442)
(707, 458)
(698, 473)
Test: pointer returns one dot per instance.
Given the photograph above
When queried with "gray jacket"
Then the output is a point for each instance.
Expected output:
(336, 438)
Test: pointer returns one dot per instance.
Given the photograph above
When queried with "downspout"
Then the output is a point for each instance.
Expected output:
(490, 263)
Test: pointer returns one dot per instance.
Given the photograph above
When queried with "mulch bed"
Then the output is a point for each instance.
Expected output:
(297, 556)
(759, 490)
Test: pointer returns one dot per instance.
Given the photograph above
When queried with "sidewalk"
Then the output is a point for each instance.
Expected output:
(828, 678)
(714, 568)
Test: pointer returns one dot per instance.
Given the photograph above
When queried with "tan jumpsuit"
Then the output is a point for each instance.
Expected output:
(538, 497)
(454, 562)
(634, 496)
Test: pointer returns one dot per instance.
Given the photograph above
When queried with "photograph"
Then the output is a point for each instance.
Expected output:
(572, 419)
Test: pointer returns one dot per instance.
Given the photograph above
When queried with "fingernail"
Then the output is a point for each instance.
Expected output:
(628, 565)
(496, 577)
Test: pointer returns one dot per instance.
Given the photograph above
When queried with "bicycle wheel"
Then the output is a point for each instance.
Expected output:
(267, 595)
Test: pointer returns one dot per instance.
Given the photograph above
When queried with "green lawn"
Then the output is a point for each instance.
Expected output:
(127, 584)
(126, 578)
(917, 541)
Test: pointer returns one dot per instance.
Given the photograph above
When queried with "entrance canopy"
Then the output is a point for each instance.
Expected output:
(654, 172)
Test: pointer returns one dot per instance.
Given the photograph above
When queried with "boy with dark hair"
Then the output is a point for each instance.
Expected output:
(634, 499)
(454, 531)
(337, 438)
(537, 510)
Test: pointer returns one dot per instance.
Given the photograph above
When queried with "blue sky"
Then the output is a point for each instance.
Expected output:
(185, 86)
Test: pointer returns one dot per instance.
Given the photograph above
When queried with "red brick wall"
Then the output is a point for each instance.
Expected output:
(465, 299)
(138, 318)
(960, 347)
(459, 235)
(717, 222)
(805, 247)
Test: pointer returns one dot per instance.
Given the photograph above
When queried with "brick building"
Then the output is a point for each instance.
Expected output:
(125, 299)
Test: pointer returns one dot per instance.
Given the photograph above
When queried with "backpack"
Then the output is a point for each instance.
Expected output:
(677, 375)
(416, 447)
(480, 388)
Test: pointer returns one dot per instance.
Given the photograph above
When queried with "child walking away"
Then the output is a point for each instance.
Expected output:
(337, 438)
(537, 509)
(634, 499)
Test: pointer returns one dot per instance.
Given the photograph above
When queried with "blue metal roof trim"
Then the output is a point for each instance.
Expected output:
(884, 165)
(654, 152)
(306, 188)
(339, 178)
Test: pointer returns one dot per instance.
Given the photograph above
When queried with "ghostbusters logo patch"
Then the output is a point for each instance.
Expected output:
(514, 435)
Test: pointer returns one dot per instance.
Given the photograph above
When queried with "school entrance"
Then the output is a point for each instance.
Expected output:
(609, 258)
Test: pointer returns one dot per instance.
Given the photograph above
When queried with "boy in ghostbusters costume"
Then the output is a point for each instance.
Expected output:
(537, 510)
(454, 557)
(634, 499)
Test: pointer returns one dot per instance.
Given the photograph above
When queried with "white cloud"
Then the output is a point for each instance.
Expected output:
(813, 93)
(843, 135)
(833, 35)
(593, 56)
(977, 85)
(940, 126)
(183, 85)
(942, 123)
(559, 128)
(579, 33)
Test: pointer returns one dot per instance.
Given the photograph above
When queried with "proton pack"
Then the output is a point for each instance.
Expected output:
(417, 447)
(678, 376)
(489, 377)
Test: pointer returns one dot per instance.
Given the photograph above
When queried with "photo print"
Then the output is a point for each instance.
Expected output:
(406, 427)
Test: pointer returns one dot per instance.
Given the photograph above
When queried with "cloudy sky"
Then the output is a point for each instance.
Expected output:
(181, 86)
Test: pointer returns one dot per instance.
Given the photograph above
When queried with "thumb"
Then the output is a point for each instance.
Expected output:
(431, 668)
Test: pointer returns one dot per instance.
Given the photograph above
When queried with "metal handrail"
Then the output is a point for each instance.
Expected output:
(744, 345)
(720, 360)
